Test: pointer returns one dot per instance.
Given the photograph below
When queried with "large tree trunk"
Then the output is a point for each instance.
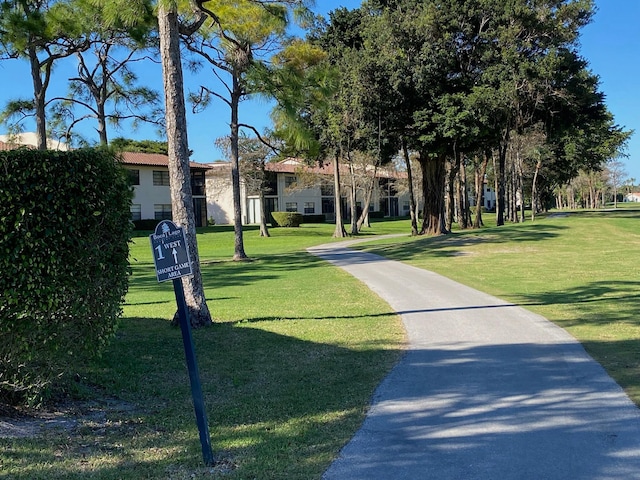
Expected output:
(534, 191)
(433, 180)
(364, 215)
(480, 172)
(239, 253)
(450, 205)
(500, 183)
(412, 197)
(180, 176)
(264, 231)
(463, 196)
(339, 232)
(353, 194)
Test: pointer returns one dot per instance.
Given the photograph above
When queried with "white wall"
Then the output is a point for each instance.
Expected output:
(220, 196)
(147, 194)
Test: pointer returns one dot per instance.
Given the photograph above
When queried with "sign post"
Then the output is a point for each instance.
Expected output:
(172, 262)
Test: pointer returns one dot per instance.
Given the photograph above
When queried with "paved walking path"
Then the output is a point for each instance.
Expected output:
(486, 390)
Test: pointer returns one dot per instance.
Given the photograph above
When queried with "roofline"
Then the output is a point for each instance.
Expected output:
(155, 160)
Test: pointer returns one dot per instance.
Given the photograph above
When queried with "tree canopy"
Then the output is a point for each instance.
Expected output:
(451, 80)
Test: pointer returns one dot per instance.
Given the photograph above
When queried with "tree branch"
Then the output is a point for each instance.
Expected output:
(263, 140)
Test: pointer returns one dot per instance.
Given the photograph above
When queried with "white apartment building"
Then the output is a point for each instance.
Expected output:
(149, 174)
(296, 187)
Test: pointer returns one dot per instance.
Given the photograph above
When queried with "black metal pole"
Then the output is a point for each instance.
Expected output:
(194, 376)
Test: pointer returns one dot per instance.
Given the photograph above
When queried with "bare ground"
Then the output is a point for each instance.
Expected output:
(16, 423)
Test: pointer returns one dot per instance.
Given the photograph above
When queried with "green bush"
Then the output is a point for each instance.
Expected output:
(318, 218)
(287, 219)
(145, 224)
(64, 243)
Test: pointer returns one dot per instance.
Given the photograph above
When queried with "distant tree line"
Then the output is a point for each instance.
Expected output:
(492, 88)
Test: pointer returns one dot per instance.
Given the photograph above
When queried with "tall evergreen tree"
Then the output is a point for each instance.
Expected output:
(42, 32)
(235, 45)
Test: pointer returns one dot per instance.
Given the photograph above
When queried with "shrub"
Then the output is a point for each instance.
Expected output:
(145, 224)
(287, 219)
(376, 214)
(319, 218)
(64, 258)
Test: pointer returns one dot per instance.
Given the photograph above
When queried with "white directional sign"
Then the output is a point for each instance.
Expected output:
(170, 252)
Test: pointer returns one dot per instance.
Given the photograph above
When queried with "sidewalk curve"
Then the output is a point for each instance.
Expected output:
(486, 390)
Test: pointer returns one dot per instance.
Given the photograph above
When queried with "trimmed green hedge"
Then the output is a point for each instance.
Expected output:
(287, 219)
(64, 243)
(145, 224)
(318, 218)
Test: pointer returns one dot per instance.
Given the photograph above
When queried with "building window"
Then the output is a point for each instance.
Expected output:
(327, 190)
(289, 180)
(309, 207)
(200, 211)
(328, 206)
(162, 211)
(161, 178)
(136, 212)
(292, 206)
(134, 177)
(388, 187)
(405, 207)
(197, 183)
(271, 183)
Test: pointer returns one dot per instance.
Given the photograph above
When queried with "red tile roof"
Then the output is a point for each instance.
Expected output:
(155, 160)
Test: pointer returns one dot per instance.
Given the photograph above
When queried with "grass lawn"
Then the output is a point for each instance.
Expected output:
(580, 271)
(298, 346)
(287, 371)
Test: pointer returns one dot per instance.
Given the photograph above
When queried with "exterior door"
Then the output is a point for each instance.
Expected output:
(200, 211)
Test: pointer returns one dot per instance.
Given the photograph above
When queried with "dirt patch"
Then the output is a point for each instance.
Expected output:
(15, 423)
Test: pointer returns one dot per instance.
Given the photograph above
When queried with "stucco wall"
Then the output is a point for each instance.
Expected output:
(220, 196)
(147, 194)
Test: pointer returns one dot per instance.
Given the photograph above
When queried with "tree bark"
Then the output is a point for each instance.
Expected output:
(412, 197)
(520, 186)
(463, 197)
(480, 172)
(39, 90)
(433, 181)
(264, 231)
(450, 205)
(364, 216)
(236, 93)
(353, 194)
(339, 232)
(500, 183)
(180, 176)
(534, 191)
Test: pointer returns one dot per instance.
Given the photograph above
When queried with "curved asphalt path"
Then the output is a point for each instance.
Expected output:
(486, 390)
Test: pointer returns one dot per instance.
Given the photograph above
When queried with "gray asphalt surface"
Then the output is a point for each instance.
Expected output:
(486, 390)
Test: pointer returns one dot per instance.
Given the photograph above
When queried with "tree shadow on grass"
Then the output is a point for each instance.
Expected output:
(586, 300)
(271, 399)
(608, 315)
(454, 244)
(282, 407)
(231, 274)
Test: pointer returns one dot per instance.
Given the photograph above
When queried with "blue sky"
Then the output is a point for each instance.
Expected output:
(611, 45)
